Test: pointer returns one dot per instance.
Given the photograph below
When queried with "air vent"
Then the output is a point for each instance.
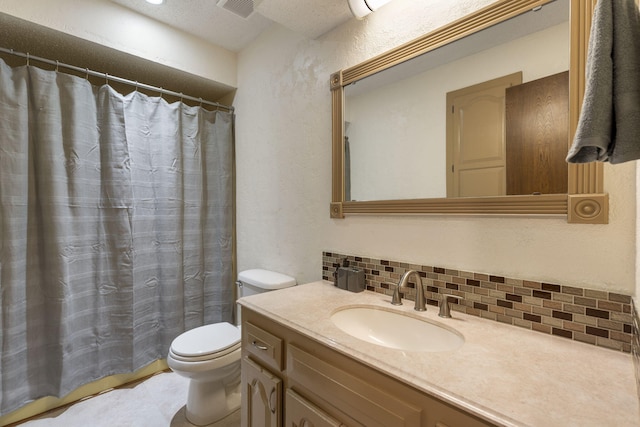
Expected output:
(242, 8)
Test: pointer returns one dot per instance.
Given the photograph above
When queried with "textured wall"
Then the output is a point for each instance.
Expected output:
(284, 181)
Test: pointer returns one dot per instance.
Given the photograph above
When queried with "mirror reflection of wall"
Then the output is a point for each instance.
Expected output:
(397, 129)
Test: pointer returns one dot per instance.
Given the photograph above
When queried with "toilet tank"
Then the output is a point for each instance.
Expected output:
(257, 281)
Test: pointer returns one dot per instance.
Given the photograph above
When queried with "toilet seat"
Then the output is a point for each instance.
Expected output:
(206, 342)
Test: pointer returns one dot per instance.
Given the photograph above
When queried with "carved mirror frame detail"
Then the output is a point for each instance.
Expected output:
(585, 203)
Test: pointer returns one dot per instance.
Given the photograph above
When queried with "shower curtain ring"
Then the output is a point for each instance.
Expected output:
(27, 59)
(200, 101)
(86, 70)
(161, 92)
(136, 85)
(57, 66)
(106, 78)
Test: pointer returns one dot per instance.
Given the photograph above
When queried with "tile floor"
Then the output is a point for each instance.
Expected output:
(156, 402)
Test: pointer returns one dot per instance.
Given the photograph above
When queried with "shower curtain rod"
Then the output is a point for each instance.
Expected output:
(108, 77)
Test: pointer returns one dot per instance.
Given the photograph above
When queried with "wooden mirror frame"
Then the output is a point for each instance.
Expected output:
(585, 202)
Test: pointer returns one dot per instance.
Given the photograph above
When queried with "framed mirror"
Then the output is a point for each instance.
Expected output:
(420, 165)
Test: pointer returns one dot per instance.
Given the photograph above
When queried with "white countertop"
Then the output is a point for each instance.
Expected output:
(502, 373)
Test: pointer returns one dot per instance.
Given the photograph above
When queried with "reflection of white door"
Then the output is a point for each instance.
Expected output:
(476, 155)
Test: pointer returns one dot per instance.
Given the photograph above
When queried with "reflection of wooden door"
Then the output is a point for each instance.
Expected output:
(475, 138)
(537, 136)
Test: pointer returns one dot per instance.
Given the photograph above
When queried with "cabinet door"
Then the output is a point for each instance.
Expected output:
(261, 396)
(302, 413)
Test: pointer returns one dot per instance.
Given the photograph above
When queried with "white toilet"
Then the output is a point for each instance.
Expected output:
(210, 355)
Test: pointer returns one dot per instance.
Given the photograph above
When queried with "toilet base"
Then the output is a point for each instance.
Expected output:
(210, 401)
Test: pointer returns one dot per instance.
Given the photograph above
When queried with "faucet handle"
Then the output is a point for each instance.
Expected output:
(396, 299)
(445, 304)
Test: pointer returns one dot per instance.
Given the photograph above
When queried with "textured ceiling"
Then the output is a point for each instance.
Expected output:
(310, 17)
(204, 19)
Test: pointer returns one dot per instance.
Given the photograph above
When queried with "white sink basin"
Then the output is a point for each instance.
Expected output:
(396, 330)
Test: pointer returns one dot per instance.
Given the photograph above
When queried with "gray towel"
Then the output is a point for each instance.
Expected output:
(609, 125)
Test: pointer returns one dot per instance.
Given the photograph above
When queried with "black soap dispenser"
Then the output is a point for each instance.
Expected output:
(349, 278)
(342, 275)
(355, 280)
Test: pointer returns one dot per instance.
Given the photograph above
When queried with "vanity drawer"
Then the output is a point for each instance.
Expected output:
(263, 345)
(369, 398)
(350, 394)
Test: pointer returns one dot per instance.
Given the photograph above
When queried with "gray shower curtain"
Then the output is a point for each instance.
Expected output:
(115, 229)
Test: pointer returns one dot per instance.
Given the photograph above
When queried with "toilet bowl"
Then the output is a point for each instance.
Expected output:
(209, 356)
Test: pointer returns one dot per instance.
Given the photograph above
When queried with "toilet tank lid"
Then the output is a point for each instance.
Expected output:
(266, 279)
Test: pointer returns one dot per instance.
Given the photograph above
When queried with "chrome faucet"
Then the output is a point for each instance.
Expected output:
(420, 299)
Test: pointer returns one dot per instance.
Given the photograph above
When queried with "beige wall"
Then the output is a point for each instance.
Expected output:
(284, 163)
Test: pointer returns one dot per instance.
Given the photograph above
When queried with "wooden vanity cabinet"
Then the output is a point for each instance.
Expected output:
(291, 380)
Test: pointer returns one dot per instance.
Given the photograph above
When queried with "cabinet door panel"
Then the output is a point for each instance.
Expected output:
(302, 413)
(261, 396)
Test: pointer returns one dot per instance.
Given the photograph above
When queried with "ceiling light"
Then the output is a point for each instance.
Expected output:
(361, 8)
(155, 1)
(376, 4)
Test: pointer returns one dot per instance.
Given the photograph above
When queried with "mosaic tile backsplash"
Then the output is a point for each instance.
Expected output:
(595, 317)
(635, 344)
